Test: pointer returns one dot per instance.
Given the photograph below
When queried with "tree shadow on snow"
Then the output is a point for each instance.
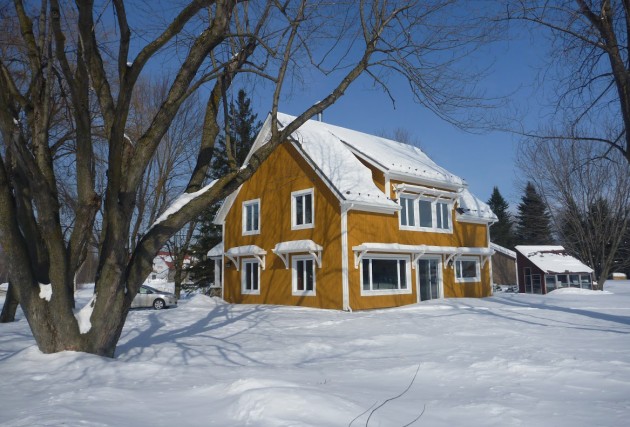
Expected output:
(543, 321)
(218, 327)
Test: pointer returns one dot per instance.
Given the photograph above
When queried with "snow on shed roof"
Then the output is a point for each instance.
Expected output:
(553, 259)
(473, 209)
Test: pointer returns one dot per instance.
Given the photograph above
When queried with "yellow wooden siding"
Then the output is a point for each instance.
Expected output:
(284, 172)
(384, 228)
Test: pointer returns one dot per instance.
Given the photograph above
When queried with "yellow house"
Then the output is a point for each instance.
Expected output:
(340, 219)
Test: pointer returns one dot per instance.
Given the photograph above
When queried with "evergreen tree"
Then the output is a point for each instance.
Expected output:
(501, 232)
(533, 222)
(244, 126)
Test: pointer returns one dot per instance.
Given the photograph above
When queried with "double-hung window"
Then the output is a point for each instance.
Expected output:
(424, 214)
(250, 276)
(251, 217)
(467, 270)
(302, 212)
(385, 275)
(303, 275)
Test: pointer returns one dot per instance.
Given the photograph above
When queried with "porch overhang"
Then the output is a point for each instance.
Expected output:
(416, 251)
(236, 253)
(285, 249)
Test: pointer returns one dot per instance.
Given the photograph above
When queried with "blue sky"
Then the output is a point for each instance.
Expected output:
(484, 159)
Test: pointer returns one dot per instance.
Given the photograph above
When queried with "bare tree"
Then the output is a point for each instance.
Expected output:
(210, 45)
(589, 65)
(587, 196)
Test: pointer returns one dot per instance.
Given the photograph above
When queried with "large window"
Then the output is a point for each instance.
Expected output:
(250, 277)
(385, 274)
(424, 214)
(303, 275)
(302, 212)
(251, 217)
(467, 270)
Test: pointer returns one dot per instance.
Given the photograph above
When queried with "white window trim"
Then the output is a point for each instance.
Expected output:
(294, 261)
(294, 196)
(243, 276)
(475, 279)
(244, 219)
(416, 214)
(397, 257)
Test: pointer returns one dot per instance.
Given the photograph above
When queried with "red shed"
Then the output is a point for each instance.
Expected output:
(542, 269)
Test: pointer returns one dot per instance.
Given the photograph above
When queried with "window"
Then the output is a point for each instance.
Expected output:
(586, 281)
(574, 280)
(407, 217)
(536, 284)
(251, 217)
(424, 214)
(550, 283)
(442, 213)
(250, 277)
(385, 275)
(467, 270)
(302, 211)
(563, 280)
(303, 275)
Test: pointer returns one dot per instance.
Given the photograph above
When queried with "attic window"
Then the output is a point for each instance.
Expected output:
(302, 209)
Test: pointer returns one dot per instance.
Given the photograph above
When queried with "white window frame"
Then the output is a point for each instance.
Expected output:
(294, 196)
(475, 279)
(406, 207)
(434, 210)
(398, 291)
(246, 204)
(294, 260)
(245, 291)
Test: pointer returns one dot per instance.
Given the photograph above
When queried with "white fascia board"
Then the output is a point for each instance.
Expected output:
(366, 207)
(474, 219)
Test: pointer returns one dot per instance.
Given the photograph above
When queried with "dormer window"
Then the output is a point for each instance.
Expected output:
(421, 213)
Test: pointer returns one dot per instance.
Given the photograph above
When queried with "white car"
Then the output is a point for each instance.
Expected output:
(150, 297)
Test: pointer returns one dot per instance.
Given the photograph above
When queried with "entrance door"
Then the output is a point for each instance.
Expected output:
(429, 279)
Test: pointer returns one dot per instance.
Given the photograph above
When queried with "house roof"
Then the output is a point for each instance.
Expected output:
(553, 259)
(334, 154)
(504, 251)
(473, 209)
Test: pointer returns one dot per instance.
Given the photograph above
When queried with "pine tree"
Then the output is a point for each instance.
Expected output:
(244, 127)
(501, 232)
(533, 222)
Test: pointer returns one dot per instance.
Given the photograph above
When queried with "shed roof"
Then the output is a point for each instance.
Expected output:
(553, 259)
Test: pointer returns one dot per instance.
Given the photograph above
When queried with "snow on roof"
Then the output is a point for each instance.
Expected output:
(387, 154)
(553, 259)
(297, 246)
(339, 166)
(503, 250)
(216, 251)
(473, 209)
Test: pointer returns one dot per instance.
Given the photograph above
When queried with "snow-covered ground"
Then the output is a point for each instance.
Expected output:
(509, 360)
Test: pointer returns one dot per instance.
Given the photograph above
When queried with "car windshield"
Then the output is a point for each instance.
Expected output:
(149, 288)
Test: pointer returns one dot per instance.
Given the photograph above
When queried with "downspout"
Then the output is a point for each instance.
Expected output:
(345, 286)
(223, 261)
(490, 259)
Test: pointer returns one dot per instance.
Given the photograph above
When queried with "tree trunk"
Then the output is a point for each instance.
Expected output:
(10, 305)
